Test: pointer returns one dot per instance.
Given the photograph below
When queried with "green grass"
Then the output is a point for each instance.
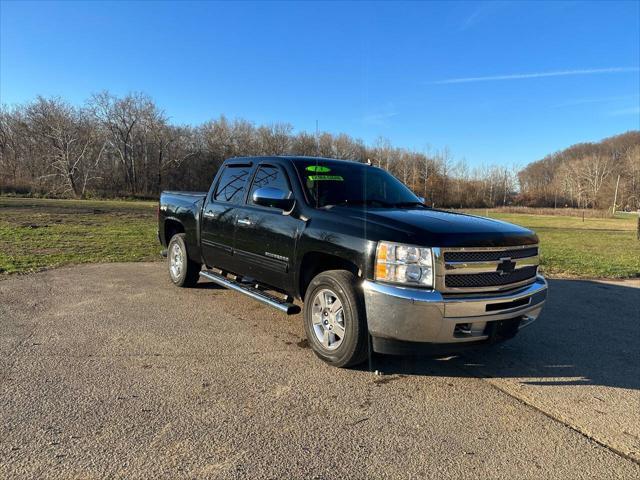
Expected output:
(36, 234)
(593, 248)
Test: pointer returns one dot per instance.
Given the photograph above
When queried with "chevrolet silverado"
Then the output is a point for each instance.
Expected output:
(373, 265)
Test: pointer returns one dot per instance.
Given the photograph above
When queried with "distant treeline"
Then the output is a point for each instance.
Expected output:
(586, 175)
(126, 147)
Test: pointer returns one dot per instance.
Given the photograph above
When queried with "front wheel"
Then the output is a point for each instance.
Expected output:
(183, 271)
(335, 320)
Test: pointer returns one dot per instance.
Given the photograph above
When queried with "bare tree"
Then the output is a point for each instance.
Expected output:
(66, 140)
(593, 171)
(11, 144)
(173, 146)
(304, 144)
(275, 139)
(126, 122)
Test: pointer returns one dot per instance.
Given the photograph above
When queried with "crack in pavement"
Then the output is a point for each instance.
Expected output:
(553, 416)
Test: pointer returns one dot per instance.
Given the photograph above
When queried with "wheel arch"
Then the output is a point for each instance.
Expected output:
(171, 227)
(314, 263)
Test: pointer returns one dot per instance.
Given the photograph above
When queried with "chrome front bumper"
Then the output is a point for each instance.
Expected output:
(427, 316)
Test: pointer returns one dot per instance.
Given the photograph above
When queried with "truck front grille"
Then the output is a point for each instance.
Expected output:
(469, 270)
(489, 255)
(490, 279)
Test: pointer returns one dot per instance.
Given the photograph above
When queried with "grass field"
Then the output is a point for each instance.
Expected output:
(36, 234)
(593, 248)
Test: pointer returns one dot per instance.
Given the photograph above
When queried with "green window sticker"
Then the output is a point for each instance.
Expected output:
(319, 178)
(318, 169)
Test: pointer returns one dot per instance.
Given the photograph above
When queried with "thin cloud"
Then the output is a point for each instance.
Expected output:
(471, 19)
(379, 118)
(586, 101)
(625, 111)
(480, 13)
(522, 76)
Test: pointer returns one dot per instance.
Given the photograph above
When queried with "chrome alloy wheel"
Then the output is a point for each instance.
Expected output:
(327, 317)
(175, 261)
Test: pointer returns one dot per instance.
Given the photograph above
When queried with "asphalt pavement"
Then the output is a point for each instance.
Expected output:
(108, 371)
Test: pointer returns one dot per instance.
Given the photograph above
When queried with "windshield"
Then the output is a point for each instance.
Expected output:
(348, 184)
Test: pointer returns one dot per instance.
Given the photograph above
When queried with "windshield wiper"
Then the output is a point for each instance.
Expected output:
(409, 204)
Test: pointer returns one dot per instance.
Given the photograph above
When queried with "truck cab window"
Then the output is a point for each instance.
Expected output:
(268, 176)
(231, 184)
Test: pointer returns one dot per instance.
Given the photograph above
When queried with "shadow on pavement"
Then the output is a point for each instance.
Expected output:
(588, 334)
(206, 285)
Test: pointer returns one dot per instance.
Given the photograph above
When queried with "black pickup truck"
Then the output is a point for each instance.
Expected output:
(366, 256)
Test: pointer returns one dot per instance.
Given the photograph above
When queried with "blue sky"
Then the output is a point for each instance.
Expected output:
(496, 82)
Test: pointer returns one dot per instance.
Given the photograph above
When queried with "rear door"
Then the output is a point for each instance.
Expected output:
(265, 238)
(219, 215)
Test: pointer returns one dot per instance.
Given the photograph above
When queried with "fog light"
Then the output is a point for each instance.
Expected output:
(462, 329)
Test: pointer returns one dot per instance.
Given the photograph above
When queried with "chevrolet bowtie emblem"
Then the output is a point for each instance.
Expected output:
(506, 266)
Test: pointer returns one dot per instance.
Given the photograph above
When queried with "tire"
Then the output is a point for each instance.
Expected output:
(323, 326)
(183, 271)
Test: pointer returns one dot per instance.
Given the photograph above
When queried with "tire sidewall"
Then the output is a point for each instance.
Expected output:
(177, 239)
(342, 355)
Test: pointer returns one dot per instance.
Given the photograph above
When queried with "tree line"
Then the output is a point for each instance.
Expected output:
(125, 146)
(603, 175)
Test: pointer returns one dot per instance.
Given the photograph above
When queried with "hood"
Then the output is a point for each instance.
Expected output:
(440, 228)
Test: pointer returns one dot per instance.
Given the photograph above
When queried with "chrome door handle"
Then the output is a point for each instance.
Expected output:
(244, 221)
(209, 215)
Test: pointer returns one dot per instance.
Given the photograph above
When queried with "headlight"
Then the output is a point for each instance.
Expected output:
(407, 264)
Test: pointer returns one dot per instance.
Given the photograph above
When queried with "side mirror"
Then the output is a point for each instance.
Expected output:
(273, 197)
(422, 199)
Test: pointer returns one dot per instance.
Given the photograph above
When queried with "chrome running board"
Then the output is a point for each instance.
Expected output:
(251, 291)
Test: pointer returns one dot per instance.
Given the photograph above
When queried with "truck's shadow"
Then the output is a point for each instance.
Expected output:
(588, 334)
(207, 285)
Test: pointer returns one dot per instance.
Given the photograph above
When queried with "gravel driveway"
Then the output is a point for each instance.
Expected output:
(108, 371)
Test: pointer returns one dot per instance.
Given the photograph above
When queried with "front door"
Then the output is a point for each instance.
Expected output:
(265, 238)
(219, 216)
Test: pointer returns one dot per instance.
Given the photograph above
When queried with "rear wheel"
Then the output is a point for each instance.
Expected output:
(334, 318)
(183, 271)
